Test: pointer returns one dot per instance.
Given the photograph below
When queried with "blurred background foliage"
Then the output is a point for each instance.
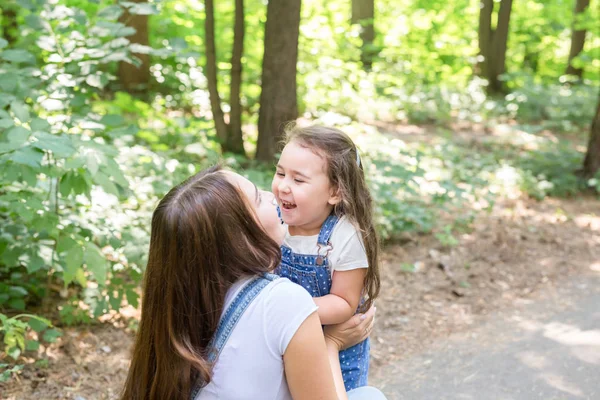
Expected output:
(105, 105)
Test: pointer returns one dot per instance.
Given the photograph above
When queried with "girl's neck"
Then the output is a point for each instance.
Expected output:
(304, 231)
(311, 229)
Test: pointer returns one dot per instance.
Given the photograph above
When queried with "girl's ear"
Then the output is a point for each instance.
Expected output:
(334, 196)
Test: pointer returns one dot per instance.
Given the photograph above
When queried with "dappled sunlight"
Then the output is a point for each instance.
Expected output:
(571, 335)
(590, 221)
(588, 354)
(512, 135)
(560, 383)
(534, 360)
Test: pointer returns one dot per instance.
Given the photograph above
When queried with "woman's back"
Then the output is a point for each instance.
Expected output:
(250, 365)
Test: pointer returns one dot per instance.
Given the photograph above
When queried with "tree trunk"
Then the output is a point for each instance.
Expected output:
(235, 140)
(363, 13)
(493, 42)
(211, 75)
(591, 164)
(278, 103)
(485, 34)
(134, 78)
(499, 44)
(10, 27)
(577, 39)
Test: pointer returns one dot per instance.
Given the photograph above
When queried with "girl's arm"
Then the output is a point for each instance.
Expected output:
(342, 301)
(311, 365)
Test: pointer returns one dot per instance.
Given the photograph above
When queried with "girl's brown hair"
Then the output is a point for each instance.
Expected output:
(346, 175)
(204, 238)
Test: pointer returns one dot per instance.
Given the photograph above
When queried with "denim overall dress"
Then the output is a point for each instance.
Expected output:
(312, 272)
(231, 317)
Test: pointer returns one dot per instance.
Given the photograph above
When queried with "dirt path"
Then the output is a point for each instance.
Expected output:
(523, 246)
(548, 348)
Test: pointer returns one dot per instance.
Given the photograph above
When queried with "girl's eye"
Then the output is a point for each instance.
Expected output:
(298, 181)
(280, 174)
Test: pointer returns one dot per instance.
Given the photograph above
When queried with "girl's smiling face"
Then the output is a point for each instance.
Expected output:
(302, 189)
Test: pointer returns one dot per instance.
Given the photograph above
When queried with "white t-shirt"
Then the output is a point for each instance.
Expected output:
(348, 250)
(250, 366)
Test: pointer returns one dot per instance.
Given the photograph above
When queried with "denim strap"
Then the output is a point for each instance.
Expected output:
(231, 317)
(327, 230)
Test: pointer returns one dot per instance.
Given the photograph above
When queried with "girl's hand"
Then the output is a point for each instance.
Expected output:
(351, 332)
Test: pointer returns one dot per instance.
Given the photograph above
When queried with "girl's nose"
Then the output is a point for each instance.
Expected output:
(283, 187)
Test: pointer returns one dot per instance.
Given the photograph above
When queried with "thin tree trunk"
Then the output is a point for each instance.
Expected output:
(278, 103)
(577, 39)
(493, 43)
(235, 140)
(363, 13)
(10, 26)
(134, 78)
(211, 75)
(485, 34)
(591, 164)
(500, 41)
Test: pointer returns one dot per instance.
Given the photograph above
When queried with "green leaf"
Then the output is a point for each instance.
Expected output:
(73, 262)
(80, 278)
(65, 243)
(132, 297)
(125, 31)
(65, 184)
(115, 302)
(35, 263)
(32, 345)
(38, 324)
(112, 168)
(3, 43)
(140, 8)
(6, 123)
(18, 56)
(103, 180)
(17, 304)
(140, 49)
(28, 156)
(92, 163)
(17, 137)
(112, 120)
(20, 110)
(17, 291)
(8, 81)
(51, 335)
(28, 175)
(58, 144)
(97, 81)
(27, 4)
(96, 263)
(38, 124)
(111, 12)
(35, 21)
(14, 353)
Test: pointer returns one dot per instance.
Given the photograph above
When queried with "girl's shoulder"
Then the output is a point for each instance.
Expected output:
(344, 230)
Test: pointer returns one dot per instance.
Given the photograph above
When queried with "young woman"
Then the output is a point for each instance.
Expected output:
(215, 323)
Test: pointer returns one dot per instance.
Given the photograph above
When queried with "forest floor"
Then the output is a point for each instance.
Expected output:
(520, 249)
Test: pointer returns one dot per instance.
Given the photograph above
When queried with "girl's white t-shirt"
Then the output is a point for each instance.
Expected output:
(250, 365)
(347, 253)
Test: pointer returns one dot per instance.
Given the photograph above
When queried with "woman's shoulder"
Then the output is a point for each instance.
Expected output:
(284, 290)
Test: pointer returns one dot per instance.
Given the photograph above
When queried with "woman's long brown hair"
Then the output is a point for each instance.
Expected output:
(346, 174)
(204, 238)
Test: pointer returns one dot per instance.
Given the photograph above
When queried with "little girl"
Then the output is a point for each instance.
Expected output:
(330, 247)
